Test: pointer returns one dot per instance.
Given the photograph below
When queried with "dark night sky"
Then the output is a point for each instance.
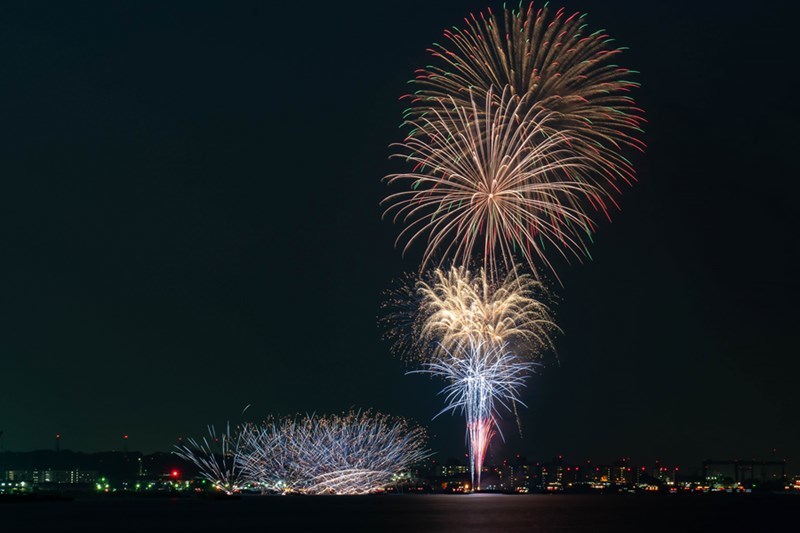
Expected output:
(190, 224)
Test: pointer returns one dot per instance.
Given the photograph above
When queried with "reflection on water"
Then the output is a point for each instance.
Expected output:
(487, 513)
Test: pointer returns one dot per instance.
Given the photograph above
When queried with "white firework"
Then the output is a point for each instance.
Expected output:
(483, 377)
(353, 453)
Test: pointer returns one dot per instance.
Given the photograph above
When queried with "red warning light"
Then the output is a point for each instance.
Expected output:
(175, 473)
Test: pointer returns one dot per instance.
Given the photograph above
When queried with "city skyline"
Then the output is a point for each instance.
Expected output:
(67, 467)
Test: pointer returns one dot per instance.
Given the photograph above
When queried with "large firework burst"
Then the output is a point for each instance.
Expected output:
(551, 61)
(490, 179)
(477, 187)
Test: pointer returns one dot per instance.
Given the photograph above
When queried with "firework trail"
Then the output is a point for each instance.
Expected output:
(483, 378)
(353, 453)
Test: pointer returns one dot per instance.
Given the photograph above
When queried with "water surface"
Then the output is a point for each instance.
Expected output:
(487, 513)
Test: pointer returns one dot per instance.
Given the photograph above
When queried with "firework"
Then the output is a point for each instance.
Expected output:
(447, 308)
(479, 334)
(216, 459)
(483, 377)
(460, 306)
(549, 61)
(354, 453)
(517, 136)
(493, 181)
(517, 140)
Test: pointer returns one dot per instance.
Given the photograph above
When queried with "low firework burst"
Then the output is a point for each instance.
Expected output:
(353, 453)
(215, 457)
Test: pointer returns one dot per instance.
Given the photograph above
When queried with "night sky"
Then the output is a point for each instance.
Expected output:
(190, 224)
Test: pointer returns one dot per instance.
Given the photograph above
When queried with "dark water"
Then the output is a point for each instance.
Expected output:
(476, 512)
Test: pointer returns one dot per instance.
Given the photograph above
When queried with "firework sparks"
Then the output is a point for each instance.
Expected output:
(483, 377)
(493, 180)
(450, 306)
(460, 306)
(354, 453)
(216, 459)
(518, 133)
(549, 61)
(517, 136)
(479, 334)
